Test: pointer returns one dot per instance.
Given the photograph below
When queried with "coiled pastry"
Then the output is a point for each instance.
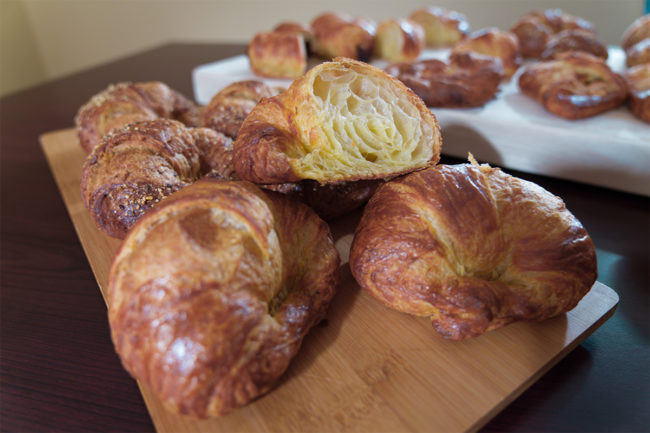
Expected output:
(638, 82)
(574, 86)
(212, 293)
(342, 121)
(134, 168)
(278, 54)
(535, 28)
(227, 109)
(496, 43)
(468, 79)
(472, 248)
(441, 26)
(574, 40)
(124, 103)
(399, 40)
(335, 34)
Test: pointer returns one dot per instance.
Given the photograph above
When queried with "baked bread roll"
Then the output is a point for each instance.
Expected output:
(636, 32)
(472, 248)
(638, 82)
(339, 35)
(468, 79)
(227, 109)
(133, 169)
(278, 54)
(574, 86)
(124, 103)
(399, 40)
(342, 121)
(535, 28)
(496, 43)
(441, 26)
(574, 40)
(212, 293)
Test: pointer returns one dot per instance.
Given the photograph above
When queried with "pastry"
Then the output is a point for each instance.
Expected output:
(496, 43)
(211, 294)
(124, 103)
(335, 35)
(134, 168)
(441, 27)
(638, 53)
(472, 248)
(278, 54)
(227, 109)
(468, 79)
(575, 85)
(636, 32)
(399, 40)
(574, 40)
(638, 82)
(344, 120)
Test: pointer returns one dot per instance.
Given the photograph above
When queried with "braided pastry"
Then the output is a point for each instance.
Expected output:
(574, 86)
(441, 26)
(124, 103)
(342, 121)
(472, 248)
(496, 43)
(638, 82)
(335, 35)
(212, 293)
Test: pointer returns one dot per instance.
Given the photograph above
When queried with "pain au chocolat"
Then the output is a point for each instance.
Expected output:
(472, 248)
(213, 291)
(342, 121)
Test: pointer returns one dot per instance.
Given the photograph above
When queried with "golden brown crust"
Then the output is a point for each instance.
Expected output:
(344, 120)
(399, 40)
(212, 293)
(496, 43)
(442, 27)
(638, 81)
(227, 109)
(636, 32)
(278, 54)
(124, 103)
(467, 80)
(134, 168)
(638, 53)
(574, 40)
(574, 86)
(534, 29)
(216, 150)
(472, 248)
(335, 34)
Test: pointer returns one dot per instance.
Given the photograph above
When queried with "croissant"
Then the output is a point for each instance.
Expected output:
(574, 40)
(335, 35)
(134, 168)
(278, 54)
(216, 150)
(575, 85)
(636, 32)
(468, 79)
(472, 248)
(638, 81)
(399, 40)
(638, 53)
(211, 294)
(496, 43)
(342, 121)
(441, 26)
(227, 109)
(124, 103)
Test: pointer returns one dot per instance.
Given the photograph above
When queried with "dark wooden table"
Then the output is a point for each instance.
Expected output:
(58, 370)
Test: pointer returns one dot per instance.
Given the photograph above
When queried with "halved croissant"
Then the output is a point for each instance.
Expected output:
(343, 120)
(211, 294)
(472, 248)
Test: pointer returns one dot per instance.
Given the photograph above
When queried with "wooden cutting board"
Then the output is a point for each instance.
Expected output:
(368, 368)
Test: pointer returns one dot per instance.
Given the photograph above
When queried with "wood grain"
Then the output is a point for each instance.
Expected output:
(369, 367)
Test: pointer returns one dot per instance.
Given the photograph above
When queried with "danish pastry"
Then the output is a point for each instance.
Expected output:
(472, 248)
(638, 82)
(399, 40)
(575, 85)
(574, 40)
(134, 168)
(496, 43)
(227, 109)
(339, 35)
(344, 120)
(441, 26)
(468, 79)
(278, 54)
(211, 294)
(124, 103)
